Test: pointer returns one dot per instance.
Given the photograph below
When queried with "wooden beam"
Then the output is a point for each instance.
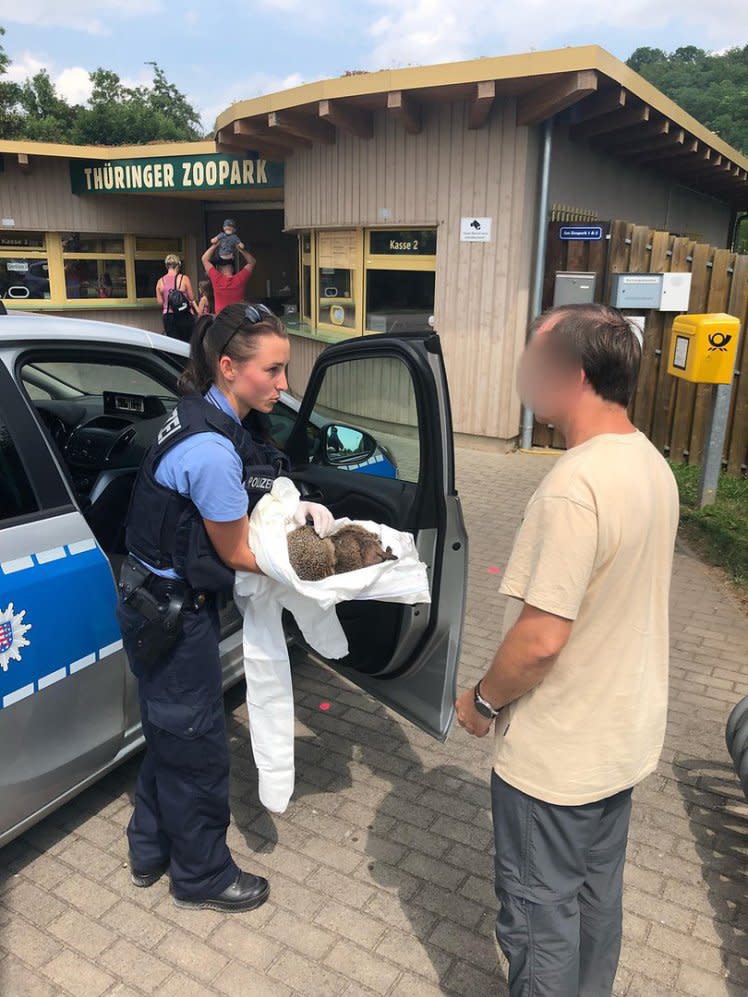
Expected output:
(302, 126)
(634, 133)
(253, 131)
(718, 171)
(24, 163)
(674, 137)
(688, 148)
(627, 117)
(605, 102)
(481, 103)
(726, 183)
(402, 106)
(353, 120)
(227, 142)
(550, 98)
(697, 163)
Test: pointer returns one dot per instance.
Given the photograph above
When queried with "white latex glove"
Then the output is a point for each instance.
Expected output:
(320, 516)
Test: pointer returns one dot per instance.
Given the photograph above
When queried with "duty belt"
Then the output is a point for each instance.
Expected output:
(157, 599)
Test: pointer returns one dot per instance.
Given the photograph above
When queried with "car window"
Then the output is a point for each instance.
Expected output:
(95, 378)
(367, 417)
(282, 420)
(36, 392)
(16, 494)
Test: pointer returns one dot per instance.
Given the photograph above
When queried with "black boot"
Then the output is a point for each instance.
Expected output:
(246, 893)
(147, 877)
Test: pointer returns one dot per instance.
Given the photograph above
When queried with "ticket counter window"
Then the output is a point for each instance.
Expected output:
(23, 278)
(399, 300)
(400, 279)
(149, 262)
(157, 244)
(338, 263)
(147, 274)
(336, 301)
(77, 242)
(24, 268)
(100, 278)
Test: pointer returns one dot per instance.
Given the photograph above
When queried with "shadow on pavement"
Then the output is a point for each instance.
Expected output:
(718, 819)
(433, 891)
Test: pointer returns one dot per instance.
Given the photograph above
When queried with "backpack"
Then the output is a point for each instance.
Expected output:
(177, 301)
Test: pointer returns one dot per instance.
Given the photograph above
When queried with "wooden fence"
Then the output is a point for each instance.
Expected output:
(673, 413)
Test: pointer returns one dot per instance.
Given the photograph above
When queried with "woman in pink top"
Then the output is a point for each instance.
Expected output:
(176, 323)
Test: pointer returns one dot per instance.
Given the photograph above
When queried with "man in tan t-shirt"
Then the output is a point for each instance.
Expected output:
(578, 687)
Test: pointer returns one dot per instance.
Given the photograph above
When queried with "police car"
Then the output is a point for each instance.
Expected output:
(80, 403)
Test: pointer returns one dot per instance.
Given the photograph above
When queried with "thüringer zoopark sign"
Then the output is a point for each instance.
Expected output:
(155, 176)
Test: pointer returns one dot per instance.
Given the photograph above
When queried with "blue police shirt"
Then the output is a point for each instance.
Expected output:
(207, 469)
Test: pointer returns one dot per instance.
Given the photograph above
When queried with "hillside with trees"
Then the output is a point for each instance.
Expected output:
(115, 114)
(713, 87)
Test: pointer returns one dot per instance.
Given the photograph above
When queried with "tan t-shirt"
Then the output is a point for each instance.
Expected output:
(596, 547)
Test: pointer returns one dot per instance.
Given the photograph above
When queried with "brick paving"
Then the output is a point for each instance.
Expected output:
(381, 868)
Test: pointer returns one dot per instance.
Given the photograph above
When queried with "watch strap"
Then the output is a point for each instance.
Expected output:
(482, 705)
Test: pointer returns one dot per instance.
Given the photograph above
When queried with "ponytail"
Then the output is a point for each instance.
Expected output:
(198, 375)
(231, 333)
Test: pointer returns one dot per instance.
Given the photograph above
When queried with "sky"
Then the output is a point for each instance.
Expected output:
(222, 52)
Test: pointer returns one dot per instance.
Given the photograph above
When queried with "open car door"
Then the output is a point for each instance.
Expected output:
(373, 441)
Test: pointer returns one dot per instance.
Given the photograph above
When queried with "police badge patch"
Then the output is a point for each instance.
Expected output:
(12, 639)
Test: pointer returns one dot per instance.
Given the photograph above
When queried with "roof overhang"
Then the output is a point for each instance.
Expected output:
(608, 105)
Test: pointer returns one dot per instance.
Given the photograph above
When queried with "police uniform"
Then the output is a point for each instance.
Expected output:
(203, 465)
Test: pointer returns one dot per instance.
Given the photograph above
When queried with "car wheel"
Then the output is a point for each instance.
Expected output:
(743, 772)
(734, 721)
(740, 741)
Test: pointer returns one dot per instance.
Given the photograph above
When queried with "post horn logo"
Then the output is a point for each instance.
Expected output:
(719, 341)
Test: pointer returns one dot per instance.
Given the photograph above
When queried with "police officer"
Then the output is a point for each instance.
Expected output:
(187, 532)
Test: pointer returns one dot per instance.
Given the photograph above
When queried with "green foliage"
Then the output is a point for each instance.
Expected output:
(115, 114)
(720, 531)
(46, 117)
(10, 119)
(120, 115)
(713, 88)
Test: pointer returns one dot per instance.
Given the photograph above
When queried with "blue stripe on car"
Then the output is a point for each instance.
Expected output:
(68, 598)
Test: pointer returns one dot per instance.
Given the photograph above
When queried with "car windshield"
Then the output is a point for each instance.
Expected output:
(94, 379)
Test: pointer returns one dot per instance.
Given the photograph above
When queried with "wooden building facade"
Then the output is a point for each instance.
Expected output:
(380, 202)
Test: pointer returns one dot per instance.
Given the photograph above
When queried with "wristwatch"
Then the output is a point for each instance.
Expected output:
(482, 705)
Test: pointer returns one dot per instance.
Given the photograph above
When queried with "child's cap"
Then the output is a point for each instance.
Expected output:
(228, 222)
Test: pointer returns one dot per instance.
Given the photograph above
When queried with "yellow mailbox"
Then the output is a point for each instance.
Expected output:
(703, 348)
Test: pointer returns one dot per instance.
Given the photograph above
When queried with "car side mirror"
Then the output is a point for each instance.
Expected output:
(346, 444)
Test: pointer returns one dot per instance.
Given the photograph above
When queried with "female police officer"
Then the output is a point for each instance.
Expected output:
(187, 533)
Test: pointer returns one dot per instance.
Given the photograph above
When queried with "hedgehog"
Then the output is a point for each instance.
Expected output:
(351, 547)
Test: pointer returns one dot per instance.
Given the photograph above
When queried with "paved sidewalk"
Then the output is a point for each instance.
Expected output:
(381, 868)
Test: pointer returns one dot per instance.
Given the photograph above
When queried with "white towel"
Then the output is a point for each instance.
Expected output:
(261, 600)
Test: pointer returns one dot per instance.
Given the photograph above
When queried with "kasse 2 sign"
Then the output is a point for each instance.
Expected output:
(155, 175)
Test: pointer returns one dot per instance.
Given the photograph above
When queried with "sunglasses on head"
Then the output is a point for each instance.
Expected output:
(254, 314)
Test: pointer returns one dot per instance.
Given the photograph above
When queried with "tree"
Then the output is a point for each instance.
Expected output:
(47, 118)
(115, 114)
(10, 119)
(713, 88)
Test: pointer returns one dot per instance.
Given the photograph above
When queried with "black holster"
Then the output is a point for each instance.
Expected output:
(162, 617)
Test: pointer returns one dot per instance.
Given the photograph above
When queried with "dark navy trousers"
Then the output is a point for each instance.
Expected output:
(559, 881)
(182, 795)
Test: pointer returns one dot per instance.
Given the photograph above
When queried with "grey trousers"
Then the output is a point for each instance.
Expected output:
(559, 882)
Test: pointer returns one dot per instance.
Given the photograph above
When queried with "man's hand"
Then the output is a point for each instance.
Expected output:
(468, 717)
